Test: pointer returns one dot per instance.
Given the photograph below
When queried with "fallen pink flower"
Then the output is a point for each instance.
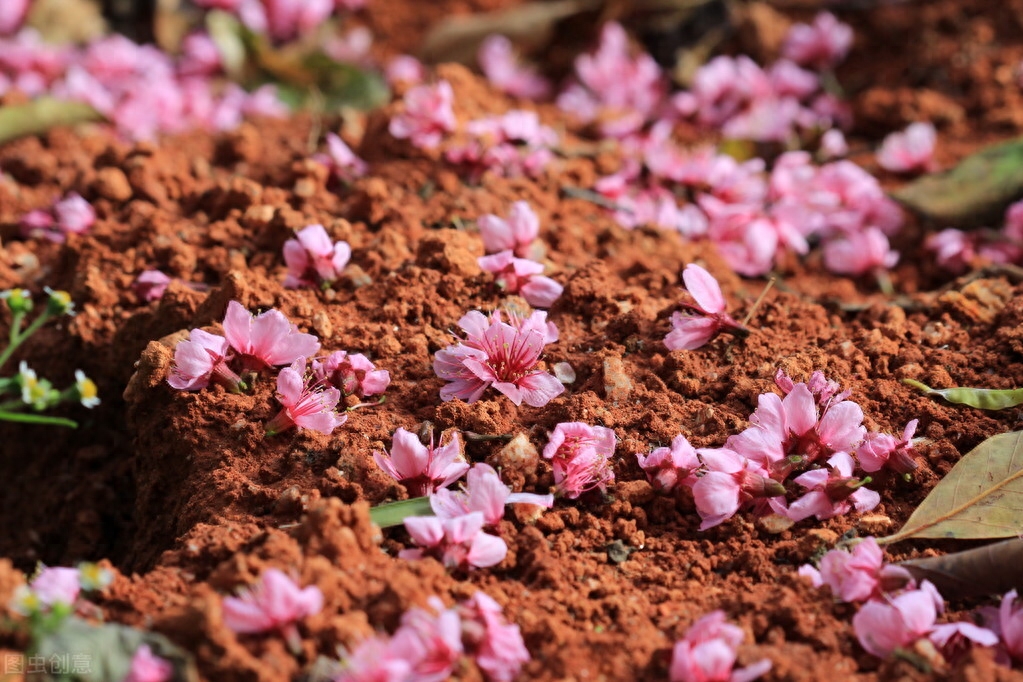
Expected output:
(352, 374)
(70, 215)
(822, 44)
(430, 640)
(580, 456)
(484, 492)
(709, 651)
(710, 319)
(859, 253)
(457, 542)
(499, 355)
(312, 259)
(522, 276)
(268, 338)
(148, 667)
(405, 69)
(730, 482)
(861, 574)
(496, 644)
(150, 285)
(287, 19)
(274, 603)
(1010, 626)
(879, 450)
(51, 587)
(832, 491)
(427, 116)
(422, 469)
(497, 60)
(375, 659)
(884, 626)
(667, 468)
(517, 233)
(833, 144)
(12, 15)
(954, 640)
(200, 56)
(953, 249)
(200, 359)
(306, 406)
(341, 161)
(910, 150)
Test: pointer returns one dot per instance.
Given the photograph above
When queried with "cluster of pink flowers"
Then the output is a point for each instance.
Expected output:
(70, 215)
(813, 432)
(956, 250)
(896, 612)
(513, 144)
(282, 20)
(138, 88)
(706, 319)
(496, 58)
(429, 644)
(709, 651)
(502, 355)
(427, 115)
(274, 604)
(312, 259)
(581, 457)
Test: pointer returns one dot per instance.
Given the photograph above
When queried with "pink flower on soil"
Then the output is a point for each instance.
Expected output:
(430, 640)
(496, 644)
(312, 259)
(427, 117)
(953, 249)
(457, 542)
(822, 44)
(859, 253)
(287, 19)
(306, 406)
(884, 626)
(730, 482)
(341, 160)
(861, 574)
(667, 468)
(708, 653)
(52, 586)
(268, 337)
(581, 456)
(12, 15)
(497, 60)
(274, 603)
(710, 319)
(499, 355)
(200, 359)
(375, 659)
(910, 150)
(353, 374)
(405, 69)
(422, 469)
(833, 144)
(150, 285)
(522, 276)
(148, 667)
(1010, 626)
(832, 491)
(879, 450)
(484, 492)
(517, 233)
(74, 214)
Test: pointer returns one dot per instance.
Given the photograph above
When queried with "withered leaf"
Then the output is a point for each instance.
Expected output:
(991, 569)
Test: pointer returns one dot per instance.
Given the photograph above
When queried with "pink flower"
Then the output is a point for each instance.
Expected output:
(52, 586)
(708, 653)
(312, 258)
(667, 468)
(427, 117)
(519, 275)
(375, 659)
(730, 482)
(405, 69)
(148, 667)
(884, 626)
(879, 450)
(517, 233)
(203, 358)
(832, 491)
(150, 285)
(306, 406)
(580, 455)
(200, 56)
(431, 642)
(692, 331)
(12, 15)
(422, 469)
(861, 574)
(833, 144)
(341, 161)
(497, 59)
(353, 374)
(953, 249)
(821, 45)
(859, 253)
(499, 355)
(1010, 625)
(910, 150)
(274, 603)
(70, 215)
(287, 19)
(484, 492)
(496, 645)
(457, 542)
(268, 337)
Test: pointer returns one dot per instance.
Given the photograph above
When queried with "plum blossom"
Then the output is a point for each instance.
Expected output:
(200, 359)
(274, 603)
(268, 338)
(12, 15)
(420, 468)
(484, 492)
(306, 406)
(375, 659)
(910, 150)
(148, 667)
(70, 215)
(879, 450)
(287, 19)
(710, 319)
(427, 116)
(312, 259)
(53, 585)
(430, 640)
(708, 653)
(884, 626)
(861, 574)
(496, 644)
(150, 285)
(458, 542)
(833, 144)
(497, 60)
(580, 456)
(518, 232)
(729, 482)
(821, 45)
(514, 143)
(340, 160)
(405, 69)
(1009, 626)
(859, 253)
(499, 355)
(351, 373)
(667, 468)
(831, 491)
(522, 276)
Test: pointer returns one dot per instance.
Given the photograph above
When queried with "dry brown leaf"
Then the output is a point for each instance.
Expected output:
(991, 569)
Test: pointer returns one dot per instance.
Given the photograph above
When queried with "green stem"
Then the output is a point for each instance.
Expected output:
(36, 419)
(18, 339)
(395, 513)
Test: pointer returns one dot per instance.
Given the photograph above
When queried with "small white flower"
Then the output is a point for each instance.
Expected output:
(86, 388)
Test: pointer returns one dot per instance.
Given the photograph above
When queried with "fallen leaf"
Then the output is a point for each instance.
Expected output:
(981, 398)
(991, 569)
(974, 193)
(980, 498)
(41, 114)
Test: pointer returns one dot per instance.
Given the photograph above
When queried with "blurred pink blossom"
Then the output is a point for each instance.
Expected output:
(430, 640)
(909, 151)
(833, 144)
(518, 232)
(710, 319)
(884, 626)
(1010, 626)
(484, 492)
(70, 215)
(405, 69)
(458, 542)
(666, 468)
(148, 667)
(422, 469)
(427, 115)
(821, 45)
(287, 19)
(56, 585)
(312, 259)
(879, 450)
(12, 15)
(274, 603)
(341, 160)
(496, 58)
(352, 373)
(522, 276)
(268, 338)
(150, 285)
(375, 659)
(496, 644)
(859, 253)
(709, 651)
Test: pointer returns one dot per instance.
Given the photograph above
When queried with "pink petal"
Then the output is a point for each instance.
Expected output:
(541, 292)
(690, 332)
(704, 288)
(486, 550)
(539, 388)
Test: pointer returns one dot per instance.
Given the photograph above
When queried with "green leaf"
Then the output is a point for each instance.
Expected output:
(981, 398)
(974, 193)
(394, 513)
(980, 498)
(39, 115)
(23, 418)
(103, 653)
